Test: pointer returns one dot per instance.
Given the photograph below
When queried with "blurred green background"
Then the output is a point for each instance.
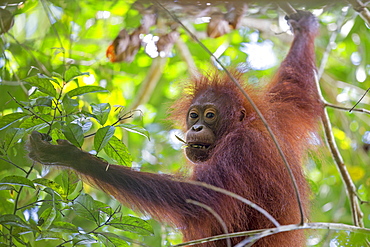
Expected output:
(49, 36)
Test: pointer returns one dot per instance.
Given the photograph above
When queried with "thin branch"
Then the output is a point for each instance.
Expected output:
(360, 7)
(358, 102)
(332, 39)
(284, 228)
(149, 83)
(269, 232)
(288, 9)
(27, 49)
(215, 214)
(27, 109)
(349, 109)
(10, 162)
(357, 214)
(185, 54)
(17, 198)
(49, 13)
(125, 116)
(240, 198)
(254, 106)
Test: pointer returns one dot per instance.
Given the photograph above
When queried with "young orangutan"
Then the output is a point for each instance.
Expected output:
(230, 148)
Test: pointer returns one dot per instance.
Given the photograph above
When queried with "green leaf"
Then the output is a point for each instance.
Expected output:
(135, 129)
(104, 207)
(42, 83)
(57, 134)
(83, 239)
(132, 224)
(6, 20)
(44, 101)
(69, 182)
(87, 126)
(110, 239)
(70, 105)
(86, 89)
(17, 180)
(7, 120)
(72, 73)
(13, 220)
(12, 136)
(6, 187)
(64, 227)
(48, 216)
(47, 235)
(100, 112)
(85, 207)
(102, 137)
(118, 151)
(74, 134)
(36, 123)
(50, 184)
(57, 75)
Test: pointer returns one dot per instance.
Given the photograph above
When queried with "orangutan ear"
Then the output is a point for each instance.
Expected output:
(242, 115)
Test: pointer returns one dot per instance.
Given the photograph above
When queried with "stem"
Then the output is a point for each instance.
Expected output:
(24, 108)
(215, 214)
(16, 204)
(357, 214)
(327, 104)
(361, 9)
(285, 228)
(8, 161)
(238, 197)
(358, 102)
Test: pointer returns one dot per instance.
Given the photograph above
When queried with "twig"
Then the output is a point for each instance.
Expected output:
(358, 102)
(349, 109)
(240, 198)
(284, 228)
(361, 9)
(47, 10)
(331, 41)
(27, 109)
(17, 200)
(254, 106)
(215, 214)
(186, 55)
(127, 115)
(27, 49)
(357, 214)
(8, 161)
(288, 9)
(148, 85)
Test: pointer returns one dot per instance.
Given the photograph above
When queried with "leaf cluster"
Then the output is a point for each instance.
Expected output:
(54, 109)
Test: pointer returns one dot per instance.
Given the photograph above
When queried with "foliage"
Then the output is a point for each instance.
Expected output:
(56, 109)
(55, 79)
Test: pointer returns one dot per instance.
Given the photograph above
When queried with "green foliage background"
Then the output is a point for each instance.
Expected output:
(59, 48)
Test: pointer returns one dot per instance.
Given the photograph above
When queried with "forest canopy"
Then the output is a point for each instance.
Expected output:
(103, 74)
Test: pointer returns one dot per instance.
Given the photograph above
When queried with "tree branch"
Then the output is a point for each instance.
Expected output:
(240, 198)
(351, 190)
(150, 82)
(361, 9)
(284, 228)
(287, 8)
(215, 214)
(349, 109)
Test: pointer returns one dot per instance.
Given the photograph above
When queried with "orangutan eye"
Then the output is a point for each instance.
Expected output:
(210, 115)
(193, 115)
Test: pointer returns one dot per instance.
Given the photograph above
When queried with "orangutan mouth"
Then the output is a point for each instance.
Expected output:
(199, 146)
